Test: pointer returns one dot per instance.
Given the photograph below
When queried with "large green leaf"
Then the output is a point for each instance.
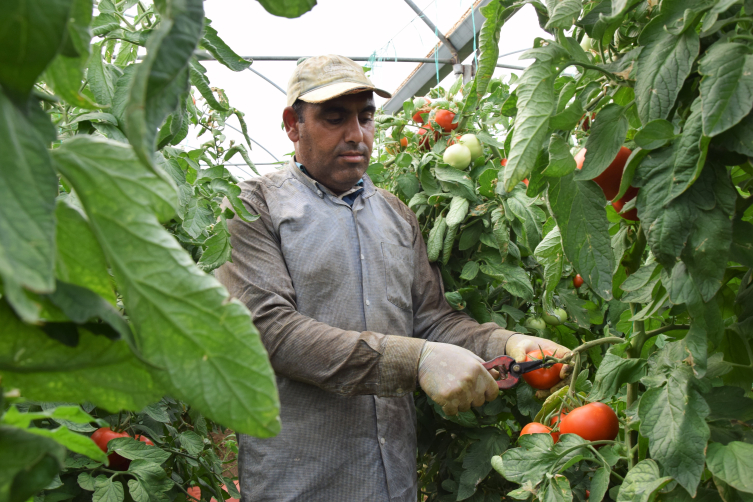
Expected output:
(162, 78)
(536, 456)
(31, 34)
(662, 67)
(549, 253)
(496, 13)
(512, 278)
(604, 142)
(99, 77)
(667, 227)
(79, 259)
(536, 101)
(210, 352)
(642, 482)
(97, 369)
(201, 82)
(733, 464)
(563, 14)
(726, 86)
(32, 461)
(691, 154)
(212, 42)
(578, 207)
(477, 461)
(288, 8)
(28, 187)
(739, 138)
(673, 414)
(615, 371)
(707, 251)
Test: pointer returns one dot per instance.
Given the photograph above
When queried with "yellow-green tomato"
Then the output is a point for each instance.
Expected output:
(458, 156)
(561, 316)
(535, 323)
(473, 144)
(586, 43)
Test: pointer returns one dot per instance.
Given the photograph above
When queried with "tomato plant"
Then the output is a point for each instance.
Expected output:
(655, 97)
(103, 214)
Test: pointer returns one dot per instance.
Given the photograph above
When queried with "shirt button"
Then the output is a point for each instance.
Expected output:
(362, 257)
(319, 193)
(381, 440)
(367, 302)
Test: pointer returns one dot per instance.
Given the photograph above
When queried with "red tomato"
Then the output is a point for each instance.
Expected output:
(444, 118)
(403, 141)
(424, 142)
(577, 281)
(592, 422)
(194, 492)
(144, 439)
(417, 118)
(536, 428)
(525, 180)
(609, 180)
(545, 378)
(619, 204)
(101, 437)
(503, 162)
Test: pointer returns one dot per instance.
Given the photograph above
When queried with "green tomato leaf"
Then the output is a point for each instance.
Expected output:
(201, 82)
(606, 138)
(673, 414)
(77, 443)
(561, 161)
(477, 461)
(98, 370)
(190, 352)
(31, 34)
(568, 118)
(599, 484)
(34, 463)
(107, 490)
(614, 372)
(132, 449)
(663, 65)
(162, 78)
(512, 278)
(28, 187)
(549, 253)
(288, 8)
(726, 86)
(212, 42)
(578, 207)
(707, 251)
(536, 101)
(739, 138)
(691, 154)
(408, 185)
(733, 464)
(655, 134)
(564, 14)
(641, 482)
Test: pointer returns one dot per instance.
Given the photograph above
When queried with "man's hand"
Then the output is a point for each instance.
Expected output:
(454, 377)
(518, 345)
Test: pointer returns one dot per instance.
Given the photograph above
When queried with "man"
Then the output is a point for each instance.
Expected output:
(351, 312)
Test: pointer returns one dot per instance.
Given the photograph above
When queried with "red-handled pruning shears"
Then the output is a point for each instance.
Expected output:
(510, 371)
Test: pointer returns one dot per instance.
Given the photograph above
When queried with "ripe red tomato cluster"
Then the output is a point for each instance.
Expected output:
(593, 422)
(544, 378)
(104, 435)
(195, 492)
(610, 179)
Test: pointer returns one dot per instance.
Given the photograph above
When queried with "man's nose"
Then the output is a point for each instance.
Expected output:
(353, 130)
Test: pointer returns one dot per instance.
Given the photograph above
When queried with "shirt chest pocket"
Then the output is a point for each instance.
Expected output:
(398, 274)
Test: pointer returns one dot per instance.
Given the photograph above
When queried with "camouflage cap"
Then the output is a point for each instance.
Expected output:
(321, 78)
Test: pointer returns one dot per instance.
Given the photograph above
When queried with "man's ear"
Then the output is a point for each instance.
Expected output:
(290, 120)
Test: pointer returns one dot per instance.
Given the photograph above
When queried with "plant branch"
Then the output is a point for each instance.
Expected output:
(585, 347)
(664, 329)
(587, 66)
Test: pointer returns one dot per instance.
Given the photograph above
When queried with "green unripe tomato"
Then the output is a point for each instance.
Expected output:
(535, 323)
(458, 156)
(552, 320)
(586, 43)
(473, 144)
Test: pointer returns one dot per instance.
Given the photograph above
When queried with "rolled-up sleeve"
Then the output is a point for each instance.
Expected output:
(299, 347)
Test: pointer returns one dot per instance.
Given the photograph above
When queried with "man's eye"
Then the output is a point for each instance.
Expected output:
(335, 120)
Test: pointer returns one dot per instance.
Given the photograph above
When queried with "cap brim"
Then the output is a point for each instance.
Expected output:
(338, 89)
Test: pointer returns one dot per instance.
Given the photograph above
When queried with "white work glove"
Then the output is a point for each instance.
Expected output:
(518, 345)
(454, 377)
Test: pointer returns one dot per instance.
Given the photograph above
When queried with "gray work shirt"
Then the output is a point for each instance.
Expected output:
(344, 298)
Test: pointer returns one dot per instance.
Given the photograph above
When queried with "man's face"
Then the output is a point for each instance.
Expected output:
(334, 139)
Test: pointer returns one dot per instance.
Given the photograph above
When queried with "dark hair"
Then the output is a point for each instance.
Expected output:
(299, 106)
